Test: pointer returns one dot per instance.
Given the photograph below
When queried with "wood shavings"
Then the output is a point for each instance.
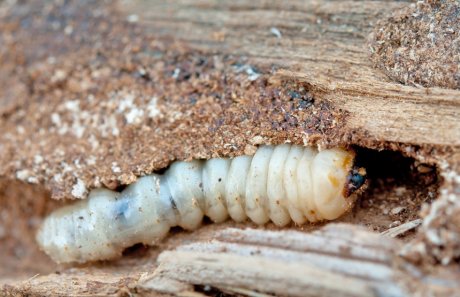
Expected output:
(402, 229)
(420, 45)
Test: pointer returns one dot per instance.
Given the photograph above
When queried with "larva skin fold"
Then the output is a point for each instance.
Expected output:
(281, 183)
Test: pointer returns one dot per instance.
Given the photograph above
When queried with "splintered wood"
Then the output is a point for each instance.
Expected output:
(324, 45)
(99, 93)
(338, 260)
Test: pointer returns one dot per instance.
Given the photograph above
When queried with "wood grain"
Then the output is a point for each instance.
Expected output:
(338, 260)
(322, 44)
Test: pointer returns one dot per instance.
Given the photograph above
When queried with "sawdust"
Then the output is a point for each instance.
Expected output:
(88, 99)
(420, 45)
(439, 239)
(120, 104)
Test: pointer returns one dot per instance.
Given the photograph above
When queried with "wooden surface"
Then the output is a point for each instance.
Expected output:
(338, 260)
(323, 44)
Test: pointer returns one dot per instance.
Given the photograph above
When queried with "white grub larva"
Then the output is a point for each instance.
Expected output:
(279, 183)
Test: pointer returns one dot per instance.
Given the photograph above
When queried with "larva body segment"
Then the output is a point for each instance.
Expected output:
(290, 184)
(214, 180)
(256, 186)
(279, 183)
(185, 186)
(305, 185)
(138, 213)
(235, 189)
(276, 195)
(328, 177)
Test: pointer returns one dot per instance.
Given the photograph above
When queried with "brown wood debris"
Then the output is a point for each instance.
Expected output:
(420, 45)
(338, 260)
(96, 93)
(342, 260)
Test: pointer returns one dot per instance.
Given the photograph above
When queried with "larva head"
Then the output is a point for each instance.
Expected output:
(356, 180)
(334, 182)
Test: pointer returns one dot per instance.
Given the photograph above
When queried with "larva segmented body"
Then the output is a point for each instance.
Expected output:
(279, 183)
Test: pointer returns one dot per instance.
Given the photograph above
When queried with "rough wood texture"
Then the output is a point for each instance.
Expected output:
(97, 94)
(324, 45)
(194, 80)
(338, 260)
(421, 44)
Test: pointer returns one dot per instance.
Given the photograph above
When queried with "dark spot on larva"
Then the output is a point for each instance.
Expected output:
(122, 206)
(173, 203)
(80, 218)
(256, 252)
(219, 180)
(278, 202)
(140, 209)
(200, 185)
